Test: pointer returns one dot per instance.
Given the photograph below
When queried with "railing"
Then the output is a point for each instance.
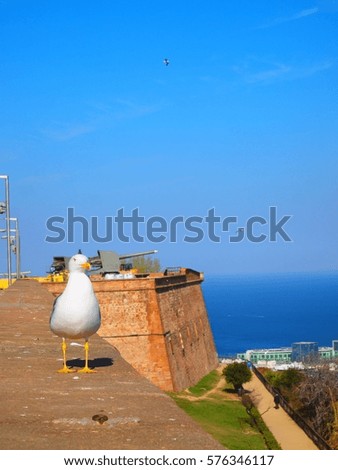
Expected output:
(313, 435)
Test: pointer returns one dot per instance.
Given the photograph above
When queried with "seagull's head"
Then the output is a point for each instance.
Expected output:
(78, 264)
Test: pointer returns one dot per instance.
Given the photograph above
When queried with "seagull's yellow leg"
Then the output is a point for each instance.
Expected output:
(86, 369)
(65, 369)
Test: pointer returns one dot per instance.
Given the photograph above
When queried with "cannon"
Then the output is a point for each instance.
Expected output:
(106, 262)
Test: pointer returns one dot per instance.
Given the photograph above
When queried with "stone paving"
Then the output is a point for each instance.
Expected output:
(42, 409)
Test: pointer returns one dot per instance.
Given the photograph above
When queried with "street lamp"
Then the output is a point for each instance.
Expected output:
(16, 247)
(4, 208)
(14, 241)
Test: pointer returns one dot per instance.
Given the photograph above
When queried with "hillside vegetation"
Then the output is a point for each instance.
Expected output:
(216, 407)
(313, 394)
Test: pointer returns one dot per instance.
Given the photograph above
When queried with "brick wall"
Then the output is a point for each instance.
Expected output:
(190, 344)
(159, 325)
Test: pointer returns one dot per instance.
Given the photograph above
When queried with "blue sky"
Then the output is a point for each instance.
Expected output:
(243, 118)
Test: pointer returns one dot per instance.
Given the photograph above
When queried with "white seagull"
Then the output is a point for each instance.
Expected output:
(76, 312)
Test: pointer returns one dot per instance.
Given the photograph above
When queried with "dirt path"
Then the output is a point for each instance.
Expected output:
(218, 389)
(288, 434)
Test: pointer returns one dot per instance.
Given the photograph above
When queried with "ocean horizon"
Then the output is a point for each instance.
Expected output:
(251, 311)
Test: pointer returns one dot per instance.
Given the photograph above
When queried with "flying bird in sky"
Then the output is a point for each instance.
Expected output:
(166, 62)
(76, 312)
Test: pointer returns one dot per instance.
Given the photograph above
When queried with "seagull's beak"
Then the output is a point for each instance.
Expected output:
(86, 266)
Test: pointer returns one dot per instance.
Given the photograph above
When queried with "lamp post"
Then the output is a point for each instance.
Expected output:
(7, 210)
(15, 244)
(17, 247)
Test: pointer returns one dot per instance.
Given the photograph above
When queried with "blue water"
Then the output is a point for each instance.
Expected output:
(270, 311)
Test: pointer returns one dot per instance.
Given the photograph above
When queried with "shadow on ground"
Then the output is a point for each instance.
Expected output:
(92, 363)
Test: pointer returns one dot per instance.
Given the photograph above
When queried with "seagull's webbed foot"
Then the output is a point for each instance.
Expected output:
(66, 370)
(86, 369)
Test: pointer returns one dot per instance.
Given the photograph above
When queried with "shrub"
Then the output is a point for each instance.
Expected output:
(237, 374)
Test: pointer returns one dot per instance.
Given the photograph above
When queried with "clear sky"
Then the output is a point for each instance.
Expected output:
(243, 118)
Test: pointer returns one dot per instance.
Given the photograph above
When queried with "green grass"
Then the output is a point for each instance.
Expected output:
(225, 419)
(227, 422)
(204, 385)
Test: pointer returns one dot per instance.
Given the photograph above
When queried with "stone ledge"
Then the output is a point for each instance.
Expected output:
(42, 409)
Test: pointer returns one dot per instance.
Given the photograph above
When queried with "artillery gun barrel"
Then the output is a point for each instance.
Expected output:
(134, 255)
(60, 262)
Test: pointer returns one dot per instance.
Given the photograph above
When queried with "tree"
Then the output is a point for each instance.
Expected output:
(318, 402)
(285, 381)
(237, 374)
(313, 393)
(145, 264)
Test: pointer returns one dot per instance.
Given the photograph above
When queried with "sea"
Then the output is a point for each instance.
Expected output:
(271, 310)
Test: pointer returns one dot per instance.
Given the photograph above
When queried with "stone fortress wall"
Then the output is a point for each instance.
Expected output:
(159, 324)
